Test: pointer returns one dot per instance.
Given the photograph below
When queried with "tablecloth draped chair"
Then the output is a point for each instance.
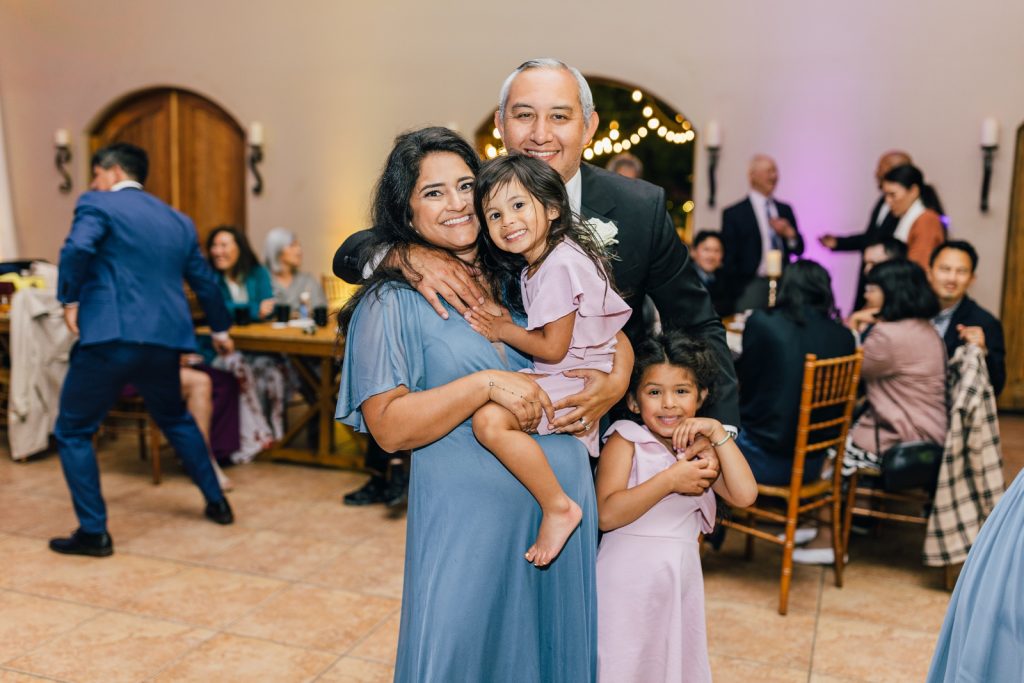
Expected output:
(40, 347)
(970, 476)
(826, 406)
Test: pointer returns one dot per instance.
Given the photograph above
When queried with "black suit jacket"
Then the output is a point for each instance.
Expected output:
(771, 373)
(741, 240)
(873, 233)
(969, 313)
(649, 260)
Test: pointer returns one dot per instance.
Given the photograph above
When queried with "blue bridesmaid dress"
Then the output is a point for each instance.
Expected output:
(473, 609)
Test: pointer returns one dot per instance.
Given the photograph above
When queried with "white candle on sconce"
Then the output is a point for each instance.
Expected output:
(255, 133)
(773, 263)
(61, 137)
(713, 135)
(990, 132)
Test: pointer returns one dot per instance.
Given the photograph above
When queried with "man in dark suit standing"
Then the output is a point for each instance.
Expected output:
(121, 273)
(881, 225)
(962, 320)
(754, 227)
(546, 111)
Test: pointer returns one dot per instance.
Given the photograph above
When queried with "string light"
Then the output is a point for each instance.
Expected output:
(637, 95)
(496, 133)
(617, 140)
(613, 134)
(491, 151)
(647, 112)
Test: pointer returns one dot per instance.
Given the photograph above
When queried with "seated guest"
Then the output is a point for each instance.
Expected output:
(918, 209)
(706, 253)
(245, 285)
(770, 370)
(962, 320)
(202, 399)
(626, 165)
(243, 281)
(283, 257)
(753, 227)
(904, 369)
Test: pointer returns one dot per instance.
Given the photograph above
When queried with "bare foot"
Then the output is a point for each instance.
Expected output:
(555, 528)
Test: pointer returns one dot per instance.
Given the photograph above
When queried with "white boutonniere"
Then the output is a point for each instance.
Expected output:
(604, 231)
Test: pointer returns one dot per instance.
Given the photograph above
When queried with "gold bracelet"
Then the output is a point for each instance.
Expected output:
(722, 442)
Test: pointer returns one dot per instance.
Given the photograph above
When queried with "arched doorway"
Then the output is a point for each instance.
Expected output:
(196, 152)
(637, 123)
(1013, 287)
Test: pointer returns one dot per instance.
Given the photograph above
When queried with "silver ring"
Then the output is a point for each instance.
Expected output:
(583, 421)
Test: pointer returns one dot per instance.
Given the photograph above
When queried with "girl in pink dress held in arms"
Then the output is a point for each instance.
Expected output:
(573, 316)
(650, 591)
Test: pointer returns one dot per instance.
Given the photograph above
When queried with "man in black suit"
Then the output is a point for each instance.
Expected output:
(707, 255)
(961, 320)
(546, 111)
(753, 227)
(881, 225)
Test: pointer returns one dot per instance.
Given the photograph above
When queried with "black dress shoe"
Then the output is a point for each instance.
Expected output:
(83, 543)
(397, 490)
(373, 491)
(220, 512)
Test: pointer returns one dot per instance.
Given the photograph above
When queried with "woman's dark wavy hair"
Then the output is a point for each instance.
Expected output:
(806, 285)
(391, 210)
(908, 176)
(546, 186)
(681, 351)
(247, 260)
(906, 290)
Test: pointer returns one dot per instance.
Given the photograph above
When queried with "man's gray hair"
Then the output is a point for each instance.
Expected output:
(586, 97)
(276, 241)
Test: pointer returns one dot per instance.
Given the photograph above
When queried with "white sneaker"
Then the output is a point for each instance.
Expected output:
(816, 556)
(803, 534)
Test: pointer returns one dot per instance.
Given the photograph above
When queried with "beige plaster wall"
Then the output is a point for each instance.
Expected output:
(822, 86)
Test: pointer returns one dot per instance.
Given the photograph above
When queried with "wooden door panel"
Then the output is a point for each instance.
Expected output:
(211, 166)
(1013, 288)
(146, 122)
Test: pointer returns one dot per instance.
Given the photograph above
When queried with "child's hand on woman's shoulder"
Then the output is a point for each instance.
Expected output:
(692, 427)
(489, 321)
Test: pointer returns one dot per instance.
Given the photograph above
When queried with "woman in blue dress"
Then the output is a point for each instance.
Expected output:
(982, 638)
(473, 609)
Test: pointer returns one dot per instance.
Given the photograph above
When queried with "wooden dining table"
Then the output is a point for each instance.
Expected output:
(316, 359)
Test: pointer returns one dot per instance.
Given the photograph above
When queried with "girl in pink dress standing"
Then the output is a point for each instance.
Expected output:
(573, 317)
(650, 617)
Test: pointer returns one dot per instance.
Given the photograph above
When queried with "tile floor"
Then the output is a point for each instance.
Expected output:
(304, 589)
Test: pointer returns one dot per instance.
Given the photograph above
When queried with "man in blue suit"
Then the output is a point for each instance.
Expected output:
(121, 273)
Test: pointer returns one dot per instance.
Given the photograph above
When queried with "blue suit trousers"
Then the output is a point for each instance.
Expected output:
(95, 378)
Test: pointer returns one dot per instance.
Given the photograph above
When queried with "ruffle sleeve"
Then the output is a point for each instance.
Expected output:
(383, 350)
(568, 281)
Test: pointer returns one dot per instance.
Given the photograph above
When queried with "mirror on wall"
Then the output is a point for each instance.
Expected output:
(635, 126)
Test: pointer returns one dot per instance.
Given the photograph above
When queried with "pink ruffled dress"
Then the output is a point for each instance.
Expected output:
(569, 281)
(650, 589)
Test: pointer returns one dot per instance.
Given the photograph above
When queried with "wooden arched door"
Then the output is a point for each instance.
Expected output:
(1013, 287)
(196, 152)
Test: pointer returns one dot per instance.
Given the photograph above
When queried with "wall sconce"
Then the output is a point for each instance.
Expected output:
(989, 145)
(256, 155)
(62, 142)
(713, 143)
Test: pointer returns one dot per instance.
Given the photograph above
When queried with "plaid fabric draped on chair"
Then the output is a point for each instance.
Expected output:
(971, 474)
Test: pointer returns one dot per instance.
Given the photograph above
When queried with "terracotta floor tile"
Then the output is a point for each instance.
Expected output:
(867, 597)
(190, 539)
(871, 651)
(259, 511)
(8, 676)
(112, 648)
(381, 645)
(332, 521)
(352, 670)
(365, 568)
(23, 511)
(105, 582)
(21, 559)
(228, 658)
(734, 670)
(320, 618)
(760, 634)
(26, 622)
(173, 496)
(205, 597)
(729, 577)
(277, 554)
